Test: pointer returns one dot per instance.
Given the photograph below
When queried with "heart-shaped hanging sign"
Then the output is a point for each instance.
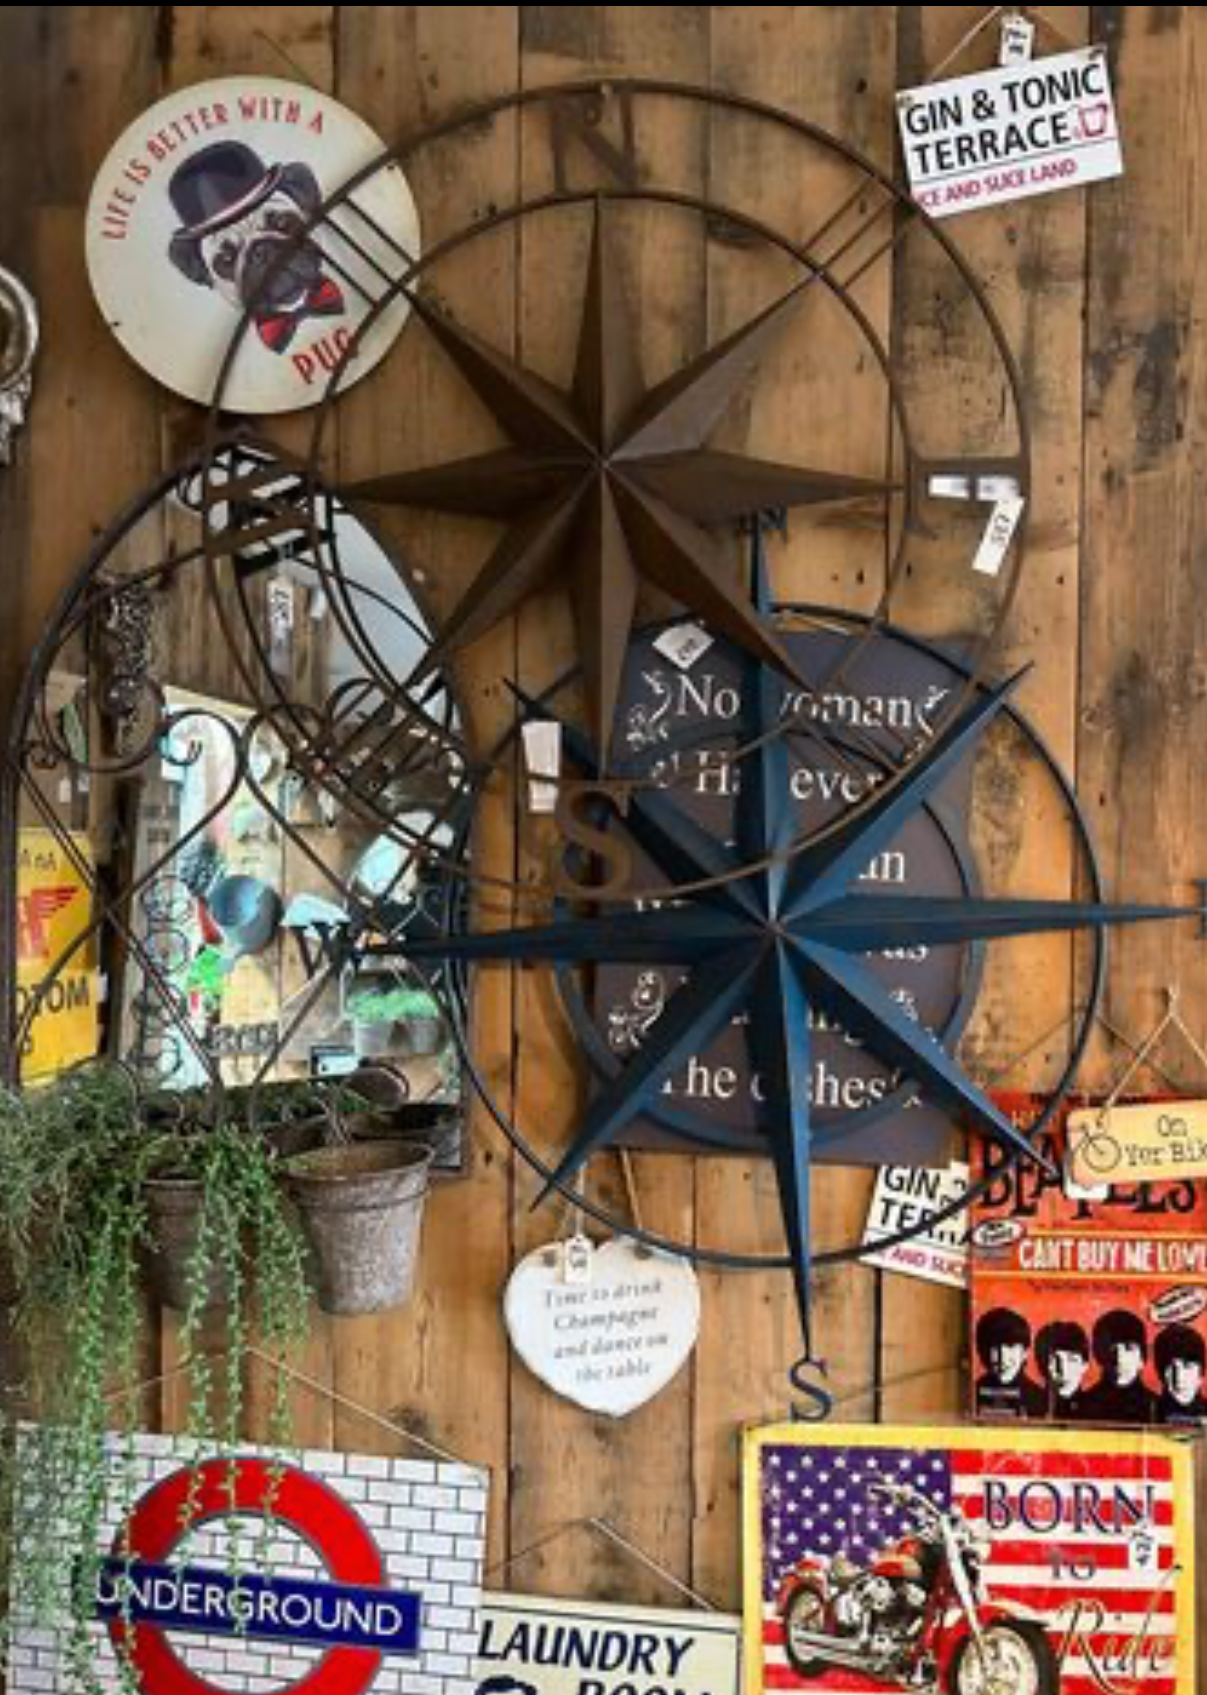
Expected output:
(607, 1327)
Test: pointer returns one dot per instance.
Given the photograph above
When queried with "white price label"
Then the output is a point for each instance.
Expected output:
(577, 1256)
(1079, 1191)
(1018, 40)
(683, 644)
(543, 753)
(999, 533)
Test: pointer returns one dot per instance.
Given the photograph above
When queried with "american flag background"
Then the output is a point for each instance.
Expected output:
(1083, 1531)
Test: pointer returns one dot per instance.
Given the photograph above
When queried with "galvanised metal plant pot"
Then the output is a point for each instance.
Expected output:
(361, 1207)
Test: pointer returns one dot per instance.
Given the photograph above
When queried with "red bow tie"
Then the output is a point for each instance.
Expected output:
(277, 330)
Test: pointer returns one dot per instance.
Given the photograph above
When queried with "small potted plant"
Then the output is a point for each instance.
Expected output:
(419, 1014)
(378, 1002)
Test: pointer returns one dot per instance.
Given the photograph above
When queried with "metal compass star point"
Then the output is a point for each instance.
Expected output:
(609, 482)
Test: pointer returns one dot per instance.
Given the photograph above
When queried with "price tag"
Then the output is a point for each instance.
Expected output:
(1018, 40)
(999, 533)
(1074, 1185)
(280, 608)
(1143, 1548)
(577, 1255)
(543, 752)
(944, 485)
(683, 644)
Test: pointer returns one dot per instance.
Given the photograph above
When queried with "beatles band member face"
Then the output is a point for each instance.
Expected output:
(1183, 1379)
(1007, 1359)
(1066, 1371)
(1125, 1363)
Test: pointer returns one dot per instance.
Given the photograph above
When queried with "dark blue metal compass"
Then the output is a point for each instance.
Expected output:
(778, 928)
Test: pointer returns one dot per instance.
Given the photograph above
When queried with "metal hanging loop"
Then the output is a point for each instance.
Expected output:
(18, 344)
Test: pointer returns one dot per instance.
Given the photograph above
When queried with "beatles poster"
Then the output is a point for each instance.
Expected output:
(969, 1562)
(1087, 1305)
(532, 1645)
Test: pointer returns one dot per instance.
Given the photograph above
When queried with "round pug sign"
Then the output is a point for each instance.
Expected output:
(193, 225)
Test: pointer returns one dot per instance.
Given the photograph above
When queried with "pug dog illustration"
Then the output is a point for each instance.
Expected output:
(237, 217)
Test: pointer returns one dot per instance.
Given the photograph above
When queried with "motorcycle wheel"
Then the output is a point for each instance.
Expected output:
(806, 1611)
(1017, 1660)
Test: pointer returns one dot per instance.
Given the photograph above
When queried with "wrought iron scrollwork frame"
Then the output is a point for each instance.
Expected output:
(37, 747)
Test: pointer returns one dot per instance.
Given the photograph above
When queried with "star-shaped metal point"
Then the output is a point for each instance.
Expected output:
(785, 933)
(609, 482)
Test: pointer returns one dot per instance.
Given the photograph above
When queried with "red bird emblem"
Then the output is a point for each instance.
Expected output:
(34, 912)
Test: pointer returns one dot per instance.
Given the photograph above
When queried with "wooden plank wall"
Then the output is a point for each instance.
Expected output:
(1103, 297)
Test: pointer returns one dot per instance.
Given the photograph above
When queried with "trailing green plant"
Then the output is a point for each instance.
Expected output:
(75, 1226)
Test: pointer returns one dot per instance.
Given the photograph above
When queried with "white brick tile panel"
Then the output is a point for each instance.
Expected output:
(462, 1524)
(453, 1571)
(200, 1659)
(366, 1465)
(452, 1618)
(449, 1665)
(428, 1521)
(463, 1476)
(411, 1518)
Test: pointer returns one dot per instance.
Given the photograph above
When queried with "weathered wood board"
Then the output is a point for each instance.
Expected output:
(1101, 296)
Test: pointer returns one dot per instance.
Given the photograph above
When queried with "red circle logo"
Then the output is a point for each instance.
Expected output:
(215, 1489)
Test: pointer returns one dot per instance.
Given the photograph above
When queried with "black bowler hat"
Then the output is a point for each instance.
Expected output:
(220, 185)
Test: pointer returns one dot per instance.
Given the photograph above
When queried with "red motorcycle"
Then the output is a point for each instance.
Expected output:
(917, 1617)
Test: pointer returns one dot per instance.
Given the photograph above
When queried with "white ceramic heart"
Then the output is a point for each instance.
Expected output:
(612, 1341)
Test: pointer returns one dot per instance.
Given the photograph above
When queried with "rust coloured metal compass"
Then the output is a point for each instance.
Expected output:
(611, 483)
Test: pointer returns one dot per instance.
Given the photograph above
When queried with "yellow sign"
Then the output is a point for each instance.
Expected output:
(1142, 1142)
(56, 962)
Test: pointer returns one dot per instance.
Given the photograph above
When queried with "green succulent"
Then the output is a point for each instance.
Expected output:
(395, 1005)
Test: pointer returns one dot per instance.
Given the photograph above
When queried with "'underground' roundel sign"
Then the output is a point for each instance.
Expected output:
(351, 1612)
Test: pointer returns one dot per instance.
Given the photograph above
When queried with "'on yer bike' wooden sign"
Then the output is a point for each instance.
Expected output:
(1138, 1142)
